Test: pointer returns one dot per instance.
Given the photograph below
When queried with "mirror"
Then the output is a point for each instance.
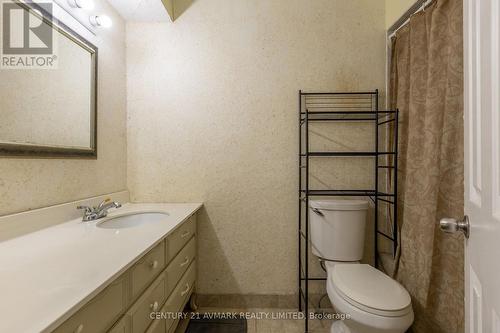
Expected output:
(48, 86)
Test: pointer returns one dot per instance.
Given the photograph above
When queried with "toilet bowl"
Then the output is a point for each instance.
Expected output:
(373, 302)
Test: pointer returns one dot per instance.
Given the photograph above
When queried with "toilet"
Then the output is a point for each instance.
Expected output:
(374, 302)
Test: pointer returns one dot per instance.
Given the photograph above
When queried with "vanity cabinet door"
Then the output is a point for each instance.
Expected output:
(177, 240)
(158, 326)
(176, 301)
(123, 326)
(180, 264)
(146, 269)
(100, 313)
(150, 301)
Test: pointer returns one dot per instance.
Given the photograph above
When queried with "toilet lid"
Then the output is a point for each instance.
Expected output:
(371, 289)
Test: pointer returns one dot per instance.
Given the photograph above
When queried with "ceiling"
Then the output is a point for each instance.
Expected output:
(141, 10)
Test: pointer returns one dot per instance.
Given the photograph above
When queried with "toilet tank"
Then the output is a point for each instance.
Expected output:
(338, 228)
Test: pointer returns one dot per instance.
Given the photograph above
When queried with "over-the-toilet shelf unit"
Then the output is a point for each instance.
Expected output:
(335, 108)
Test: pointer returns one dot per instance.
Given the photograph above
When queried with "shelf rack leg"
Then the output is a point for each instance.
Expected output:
(395, 207)
(376, 181)
(306, 249)
(300, 201)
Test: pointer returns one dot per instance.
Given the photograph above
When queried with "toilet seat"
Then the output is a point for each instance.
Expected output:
(370, 290)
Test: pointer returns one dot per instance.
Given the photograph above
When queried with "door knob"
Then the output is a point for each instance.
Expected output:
(450, 225)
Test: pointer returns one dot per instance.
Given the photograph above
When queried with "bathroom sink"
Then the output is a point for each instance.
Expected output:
(132, 220)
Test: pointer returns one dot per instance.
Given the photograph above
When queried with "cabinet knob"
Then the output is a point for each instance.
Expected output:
(186, 261)
(154, 264)
(184, 292)
(184, 235)
(79, 329)
(154, 306)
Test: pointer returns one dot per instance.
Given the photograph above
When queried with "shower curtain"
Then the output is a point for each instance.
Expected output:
(426, 85)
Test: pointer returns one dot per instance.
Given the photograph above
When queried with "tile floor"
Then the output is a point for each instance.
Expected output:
(257, 324)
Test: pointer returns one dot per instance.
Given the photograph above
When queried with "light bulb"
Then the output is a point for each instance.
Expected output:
(101, 21)
(83, 4)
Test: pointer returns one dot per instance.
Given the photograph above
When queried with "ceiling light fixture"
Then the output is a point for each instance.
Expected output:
(101, 21)
(82, 4)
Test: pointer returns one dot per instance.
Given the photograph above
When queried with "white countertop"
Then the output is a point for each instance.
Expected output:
(46, 276)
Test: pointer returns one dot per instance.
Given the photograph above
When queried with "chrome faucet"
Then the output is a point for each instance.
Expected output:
(95, 213)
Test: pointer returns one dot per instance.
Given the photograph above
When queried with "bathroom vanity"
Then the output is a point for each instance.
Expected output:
(101, 276)
(162, 280)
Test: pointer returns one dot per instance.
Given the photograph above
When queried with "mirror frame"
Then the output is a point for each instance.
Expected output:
(41, 151)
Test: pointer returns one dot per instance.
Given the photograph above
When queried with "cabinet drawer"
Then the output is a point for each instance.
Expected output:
(177, 240)
(149, 302)
(158, 326)
(179, 296)
(180, 264)
(146, 269)
(100, 313)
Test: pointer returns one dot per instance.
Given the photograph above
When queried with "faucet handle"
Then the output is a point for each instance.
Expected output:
(105, 201)
(86, 208)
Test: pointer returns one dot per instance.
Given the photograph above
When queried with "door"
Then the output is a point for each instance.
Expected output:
(482, 165)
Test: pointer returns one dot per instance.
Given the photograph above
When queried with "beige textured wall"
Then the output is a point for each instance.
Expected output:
(212, 116)
(394, 9)
(32, 183)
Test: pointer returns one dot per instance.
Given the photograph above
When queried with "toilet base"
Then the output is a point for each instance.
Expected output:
(338, 326)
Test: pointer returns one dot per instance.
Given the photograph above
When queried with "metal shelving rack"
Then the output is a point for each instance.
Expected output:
(365, 109)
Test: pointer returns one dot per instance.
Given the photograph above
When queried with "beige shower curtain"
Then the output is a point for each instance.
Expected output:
(426, 84)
